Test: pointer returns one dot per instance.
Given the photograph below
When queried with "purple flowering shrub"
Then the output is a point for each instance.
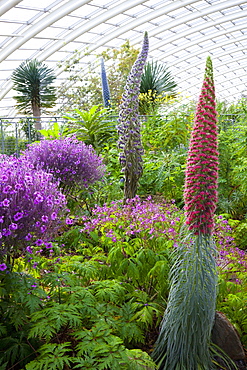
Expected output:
(71, 162)
(30, 206)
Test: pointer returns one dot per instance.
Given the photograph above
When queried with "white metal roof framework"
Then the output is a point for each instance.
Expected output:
(181, 32)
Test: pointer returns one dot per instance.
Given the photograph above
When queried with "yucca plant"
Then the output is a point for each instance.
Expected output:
(157, 85)
(32, 80)
(185, 334)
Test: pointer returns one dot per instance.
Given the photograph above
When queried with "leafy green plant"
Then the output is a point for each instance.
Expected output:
(54, 132)
(95, 127)
(232, 301)
(163, 133)
(82, 90)
(27, 126)
(97, 322)
(164, 174)
(20, 297)
(53, 357)
(157, 84)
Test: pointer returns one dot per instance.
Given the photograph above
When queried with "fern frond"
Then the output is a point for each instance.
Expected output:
(3, 329)
(86, 271)
(50, 320)
(52, 357)
(108, 291)
(140, 360)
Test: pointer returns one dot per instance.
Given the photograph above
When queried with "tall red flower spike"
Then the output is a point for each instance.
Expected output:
(200, 193)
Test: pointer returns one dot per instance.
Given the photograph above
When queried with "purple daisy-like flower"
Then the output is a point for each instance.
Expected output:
(3, 267)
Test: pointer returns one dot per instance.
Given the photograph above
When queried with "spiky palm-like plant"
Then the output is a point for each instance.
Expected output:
(157, 83)
(32, 80)
(184, 339)
(129, 126)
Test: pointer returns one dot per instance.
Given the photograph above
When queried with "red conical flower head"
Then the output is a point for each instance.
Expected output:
(200, 193)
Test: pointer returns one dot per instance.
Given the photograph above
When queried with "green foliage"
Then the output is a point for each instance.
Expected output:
(80, 315)
(166, 132)
(164, 174)
(10, 145)
(240, 235)
(82, 89)
(232, 301)
(99, 349)
(156, 77)
(191, 304)
(27, 126)
(20, 297)
(97, 321)
(53, 357)
(233, 160)
(95, 127)
(54, 132)
(157, 84)
(165, 140)
(60, 315)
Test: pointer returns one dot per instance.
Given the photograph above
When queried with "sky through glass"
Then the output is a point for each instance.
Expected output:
(182, 33)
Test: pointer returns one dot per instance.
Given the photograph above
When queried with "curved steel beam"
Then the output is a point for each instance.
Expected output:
(232, 17)
(7, 5)
(41, 25)
(126, 5)
(195, 15)
(217, 75)
(72, 35)
(200, 52)
(139, 21)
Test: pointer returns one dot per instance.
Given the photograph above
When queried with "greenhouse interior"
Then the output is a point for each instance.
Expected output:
(123, 185)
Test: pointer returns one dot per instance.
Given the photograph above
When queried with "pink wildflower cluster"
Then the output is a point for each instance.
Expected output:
(136, 218)
(202, 164)
(230, 258)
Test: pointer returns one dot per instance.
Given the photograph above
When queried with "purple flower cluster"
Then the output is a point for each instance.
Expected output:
(30, 205)
(230, 258)
(71, 162)
(129, 125)
(136, 218)
(202, 164)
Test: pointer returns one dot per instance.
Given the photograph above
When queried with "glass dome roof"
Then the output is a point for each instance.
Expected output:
(182, 33)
